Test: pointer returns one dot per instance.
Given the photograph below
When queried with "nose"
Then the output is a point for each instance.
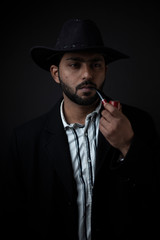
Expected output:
(87, 72)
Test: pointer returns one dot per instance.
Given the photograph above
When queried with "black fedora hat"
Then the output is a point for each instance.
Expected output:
(76, 35)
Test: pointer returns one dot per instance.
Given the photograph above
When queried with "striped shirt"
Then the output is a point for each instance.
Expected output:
(83, 140)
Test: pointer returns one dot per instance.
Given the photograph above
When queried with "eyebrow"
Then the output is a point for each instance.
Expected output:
(79, 59)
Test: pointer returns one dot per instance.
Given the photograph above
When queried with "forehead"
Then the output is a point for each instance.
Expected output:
(83, 56)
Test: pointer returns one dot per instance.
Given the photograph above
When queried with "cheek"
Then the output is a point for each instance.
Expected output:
(100, 80)
(69, 78)
(64, 76)
(66, 80)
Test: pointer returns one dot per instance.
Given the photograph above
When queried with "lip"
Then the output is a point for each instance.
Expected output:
(87, 87)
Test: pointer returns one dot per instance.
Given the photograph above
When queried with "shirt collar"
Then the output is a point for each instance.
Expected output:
(90, 116)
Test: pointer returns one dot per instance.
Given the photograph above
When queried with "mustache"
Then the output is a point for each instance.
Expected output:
(81, 85)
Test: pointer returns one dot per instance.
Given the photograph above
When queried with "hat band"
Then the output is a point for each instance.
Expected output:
(77, 45)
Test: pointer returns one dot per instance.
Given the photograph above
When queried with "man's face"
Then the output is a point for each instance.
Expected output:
(79, 73)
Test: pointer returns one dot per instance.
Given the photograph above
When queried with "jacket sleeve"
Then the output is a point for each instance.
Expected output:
(142, 164)
(14, 214)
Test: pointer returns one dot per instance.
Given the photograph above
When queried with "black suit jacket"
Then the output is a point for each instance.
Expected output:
(41, 190)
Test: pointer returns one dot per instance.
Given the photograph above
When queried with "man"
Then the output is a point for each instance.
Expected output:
(85, 170)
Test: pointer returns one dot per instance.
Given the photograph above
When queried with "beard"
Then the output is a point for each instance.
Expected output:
(68, 91)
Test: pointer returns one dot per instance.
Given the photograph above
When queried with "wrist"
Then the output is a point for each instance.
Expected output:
(124, 150)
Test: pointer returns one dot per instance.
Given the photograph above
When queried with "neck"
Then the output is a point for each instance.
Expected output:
(75, 113)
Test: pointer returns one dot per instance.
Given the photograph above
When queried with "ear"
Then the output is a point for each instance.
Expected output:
(54, 73)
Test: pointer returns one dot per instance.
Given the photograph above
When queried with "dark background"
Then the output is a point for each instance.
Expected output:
(28, 91)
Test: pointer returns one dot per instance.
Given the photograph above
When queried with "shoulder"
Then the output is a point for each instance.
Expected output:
(137, 116)
(35, 126)
(134, 111)
(142, 123)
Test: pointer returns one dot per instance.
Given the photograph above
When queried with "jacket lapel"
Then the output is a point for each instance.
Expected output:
(58, 150)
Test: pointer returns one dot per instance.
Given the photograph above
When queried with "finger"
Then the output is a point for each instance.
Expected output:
(109, 127)
(110, 113)
(115, 104)
(106, 129)
(120, 107)
(112, 109)
(103, 128)
(104, 123)
(106, 116)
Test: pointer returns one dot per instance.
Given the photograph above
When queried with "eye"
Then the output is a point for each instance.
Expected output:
(97, 65)
(74, 65)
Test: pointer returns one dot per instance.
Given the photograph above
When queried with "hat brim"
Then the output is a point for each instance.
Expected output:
(44, 57)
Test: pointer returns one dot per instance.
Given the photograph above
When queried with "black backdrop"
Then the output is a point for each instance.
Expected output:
(28, 91)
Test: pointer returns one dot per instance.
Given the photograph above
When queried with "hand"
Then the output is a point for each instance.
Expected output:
(116, 128)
